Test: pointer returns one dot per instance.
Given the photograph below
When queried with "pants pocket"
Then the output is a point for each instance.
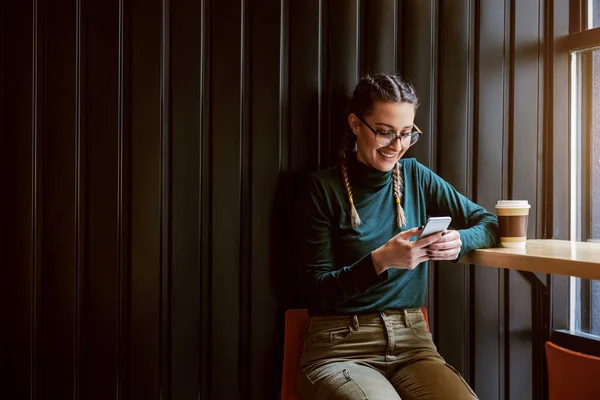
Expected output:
(336, 385)
(420, 331)
(325, 338)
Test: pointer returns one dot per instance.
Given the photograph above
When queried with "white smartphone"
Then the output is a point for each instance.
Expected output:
(435, 225)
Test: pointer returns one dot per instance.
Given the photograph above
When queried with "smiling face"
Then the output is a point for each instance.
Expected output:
(385, 116)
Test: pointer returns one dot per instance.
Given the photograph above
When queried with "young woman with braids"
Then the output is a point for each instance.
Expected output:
(363, 270)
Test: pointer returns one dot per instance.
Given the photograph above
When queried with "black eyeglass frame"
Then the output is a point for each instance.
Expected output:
(414, 135)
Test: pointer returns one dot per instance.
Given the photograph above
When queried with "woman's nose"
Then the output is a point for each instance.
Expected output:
(396, 145)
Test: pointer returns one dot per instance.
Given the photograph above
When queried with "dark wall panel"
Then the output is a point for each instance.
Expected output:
(60, 230)
(18, 164)
(267, 192)
(491, 126)
(305, 80)
(101, 298)
(380, 26)
(523, 166)
(527, 105)
(187, 77)
(453, 164)
(227, 63)
(343, 70)
(417, 61)
(144, 169)
(150, 156)
(519, 374)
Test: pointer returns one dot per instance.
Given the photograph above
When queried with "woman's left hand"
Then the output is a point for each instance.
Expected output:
(447, 248)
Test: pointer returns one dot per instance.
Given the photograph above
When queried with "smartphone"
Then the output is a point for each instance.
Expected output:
(435, 225)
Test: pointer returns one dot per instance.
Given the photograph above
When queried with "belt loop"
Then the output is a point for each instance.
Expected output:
(406, 322)
(383, 317)
(355, 325)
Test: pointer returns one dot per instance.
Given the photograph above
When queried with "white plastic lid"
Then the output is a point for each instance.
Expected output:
(512, 204)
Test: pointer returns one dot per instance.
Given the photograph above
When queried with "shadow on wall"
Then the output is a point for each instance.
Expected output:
(327, 132)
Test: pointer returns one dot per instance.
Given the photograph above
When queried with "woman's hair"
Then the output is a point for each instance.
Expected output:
(368, 91)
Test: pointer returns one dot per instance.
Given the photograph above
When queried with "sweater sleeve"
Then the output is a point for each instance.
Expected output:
(324, 284)
(478, 228)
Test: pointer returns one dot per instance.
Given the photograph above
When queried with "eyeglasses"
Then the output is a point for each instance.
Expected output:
(386, 138)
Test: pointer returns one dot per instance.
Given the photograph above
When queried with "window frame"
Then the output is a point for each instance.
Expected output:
(570, 34)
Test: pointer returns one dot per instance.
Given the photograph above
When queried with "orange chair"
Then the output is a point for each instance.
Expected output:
(293, 344)
(572, 375)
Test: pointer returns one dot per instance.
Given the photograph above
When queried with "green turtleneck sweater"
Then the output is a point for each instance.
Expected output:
(335, 263)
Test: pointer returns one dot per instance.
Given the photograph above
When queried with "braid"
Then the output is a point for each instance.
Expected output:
(400, 217)
(353, 213)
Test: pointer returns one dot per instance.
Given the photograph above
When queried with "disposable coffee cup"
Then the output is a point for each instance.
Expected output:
(512, 220)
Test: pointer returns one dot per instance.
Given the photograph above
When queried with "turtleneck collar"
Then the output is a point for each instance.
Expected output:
(361, 174)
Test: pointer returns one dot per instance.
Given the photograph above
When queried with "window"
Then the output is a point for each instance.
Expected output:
(585, 180)
(593, 14)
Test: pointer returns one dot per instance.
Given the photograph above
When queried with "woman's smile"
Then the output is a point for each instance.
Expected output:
(388, 156)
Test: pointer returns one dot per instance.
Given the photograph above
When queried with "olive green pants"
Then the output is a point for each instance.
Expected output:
(388, 355)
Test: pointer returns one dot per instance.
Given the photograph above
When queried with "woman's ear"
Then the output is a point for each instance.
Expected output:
(353, 123)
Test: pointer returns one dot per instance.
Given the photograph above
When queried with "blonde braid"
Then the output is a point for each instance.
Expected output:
(400, 217)
(353, 213)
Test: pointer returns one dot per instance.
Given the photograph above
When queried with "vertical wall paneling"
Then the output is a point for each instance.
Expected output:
(226, 135)
(556, 224)
(206, 312)
(304, 84)
(151, 152)
(17, 171)
(519, 313)
(266, 191)
(418, 65)
(523, 162)
(541, 287)
(540, 322)
(80, 195)
(37, 186)
(542, 123)
(560, 139)
(557, 221)
(285, 193)
(101, 155)
(399, 35)
(3, 126)
(342, 74)
(417, 62)
(507, 179)
(60, 203)
(123, 201)
(490, 126)
(246, 219)
(323, 119)
(380, 30)
(526, 91)
(165, 201)
(454, 128)
(146, 206)
(548, 124)
(186, 247)
(204, 189)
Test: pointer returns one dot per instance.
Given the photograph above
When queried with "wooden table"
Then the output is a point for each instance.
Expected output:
(550, 256)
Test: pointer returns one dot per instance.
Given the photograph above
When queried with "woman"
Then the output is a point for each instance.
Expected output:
(363, 271)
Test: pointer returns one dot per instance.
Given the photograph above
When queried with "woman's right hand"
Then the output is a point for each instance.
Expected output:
(400, 252)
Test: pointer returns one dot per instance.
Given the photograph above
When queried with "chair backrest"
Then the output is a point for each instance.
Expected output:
(293, 342)
(572, 375)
